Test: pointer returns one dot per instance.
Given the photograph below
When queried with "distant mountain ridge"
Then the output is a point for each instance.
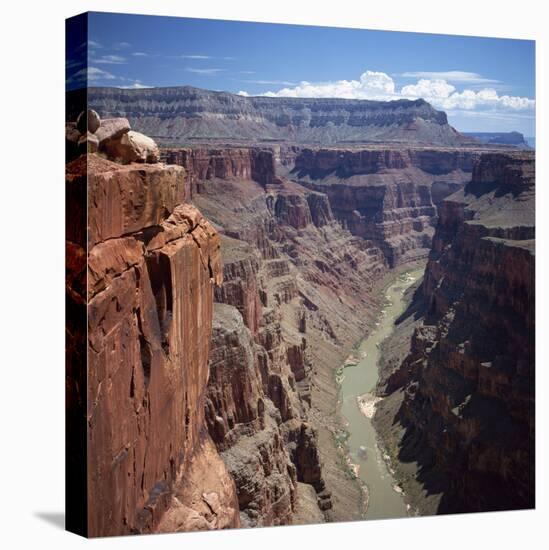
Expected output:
(185, 114)
(515, 139)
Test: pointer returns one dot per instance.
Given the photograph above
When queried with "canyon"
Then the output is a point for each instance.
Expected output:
(223, 286)
(458, 373)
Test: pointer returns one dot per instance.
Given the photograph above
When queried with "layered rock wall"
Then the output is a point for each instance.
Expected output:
(204, 164)
(178, 115)
(152, 264)
(385, 195)
(295, 296)
(467, 385)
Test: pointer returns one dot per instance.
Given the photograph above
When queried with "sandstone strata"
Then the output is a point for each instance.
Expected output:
(460, 405)
(383, 194)
(152, 265)
(177, 115)
(296, 294)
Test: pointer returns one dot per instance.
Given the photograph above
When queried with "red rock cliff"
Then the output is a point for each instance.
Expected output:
(286, 318)
(386, 195)
(247, 163)
(152, 265)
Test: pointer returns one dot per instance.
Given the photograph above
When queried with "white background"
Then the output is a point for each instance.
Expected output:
(32, 270)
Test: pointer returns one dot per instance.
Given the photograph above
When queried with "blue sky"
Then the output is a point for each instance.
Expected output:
(484, 84)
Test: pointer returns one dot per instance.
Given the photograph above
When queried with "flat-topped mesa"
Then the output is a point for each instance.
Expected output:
(384, 194)
(153, 261)
(467, 385)
(507, 139)
(180, 115)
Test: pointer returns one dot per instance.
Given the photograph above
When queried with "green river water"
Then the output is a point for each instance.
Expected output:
(384, 496)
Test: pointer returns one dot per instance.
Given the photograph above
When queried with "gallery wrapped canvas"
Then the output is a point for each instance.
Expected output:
(299, 274)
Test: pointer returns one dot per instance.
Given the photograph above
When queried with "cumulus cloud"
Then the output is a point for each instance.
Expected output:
(437, 91)
(488, 97)
(428, 88)
(445, 96)
(371, 85)
(136, 85)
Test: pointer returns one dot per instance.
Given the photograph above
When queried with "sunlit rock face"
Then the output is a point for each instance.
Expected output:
(180, 115)
(153, 261)
(296, 292)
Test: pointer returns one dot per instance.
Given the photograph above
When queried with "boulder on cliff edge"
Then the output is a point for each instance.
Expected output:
(88, 121)
(132, 147)
(112, 128)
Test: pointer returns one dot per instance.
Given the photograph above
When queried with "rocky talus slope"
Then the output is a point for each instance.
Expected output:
(152, 263)
(296, 296)
(382, 194)
(181, 115)
(458, 412)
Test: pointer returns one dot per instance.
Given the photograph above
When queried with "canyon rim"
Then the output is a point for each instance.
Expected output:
(298, 290)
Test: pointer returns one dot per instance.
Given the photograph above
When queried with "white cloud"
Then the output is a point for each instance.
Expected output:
(437, 91)
(428, 89)
(73, 63)
(452, 76)
(200, 57)
(488, 97)
(184, 56)
(121, 45)
(90, 74)
(98, 74)
(371, 85)
(94, 44)
(136, 85)
(110, 60)
(203, 71)
(243, 93)
(140, 54)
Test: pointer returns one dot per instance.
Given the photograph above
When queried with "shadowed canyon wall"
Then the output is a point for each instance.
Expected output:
(458, 416)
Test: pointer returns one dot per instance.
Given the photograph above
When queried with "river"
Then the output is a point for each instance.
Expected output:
(358, 379)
